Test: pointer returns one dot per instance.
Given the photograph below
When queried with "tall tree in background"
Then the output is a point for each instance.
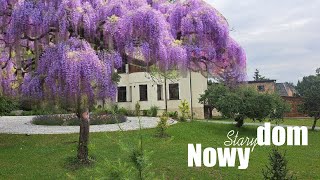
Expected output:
(66, 51)
(258, 77)
(309, 89)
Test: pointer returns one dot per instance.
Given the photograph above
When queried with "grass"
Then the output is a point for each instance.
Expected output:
(287, 121)
(48, 156)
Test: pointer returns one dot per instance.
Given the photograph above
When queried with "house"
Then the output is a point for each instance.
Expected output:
(285, 90)
(263, 86)
(136, 85)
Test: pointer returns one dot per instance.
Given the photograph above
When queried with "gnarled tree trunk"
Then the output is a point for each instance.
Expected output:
(84, 137)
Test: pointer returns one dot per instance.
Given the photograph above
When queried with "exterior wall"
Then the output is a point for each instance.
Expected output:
(270, 87)
(133, 80)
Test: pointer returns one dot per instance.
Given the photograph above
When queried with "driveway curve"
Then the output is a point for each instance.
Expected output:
(23, 125)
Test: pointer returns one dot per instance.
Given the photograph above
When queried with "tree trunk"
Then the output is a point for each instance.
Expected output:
(314, 123)
(240, 120)
(210, 112)
(165, 94)
(84, 138)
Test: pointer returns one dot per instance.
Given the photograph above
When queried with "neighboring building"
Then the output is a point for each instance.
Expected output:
(287, 92)
(138, 86)
(264, 86)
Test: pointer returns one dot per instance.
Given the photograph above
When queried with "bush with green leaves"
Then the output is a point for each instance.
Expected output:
(184, 110)
(6, 105)
(73, 120)
(212, 95)
(277, 169)
(162, 126)
(153, 111)
(244, 102)
(173, 114)
(137, 108)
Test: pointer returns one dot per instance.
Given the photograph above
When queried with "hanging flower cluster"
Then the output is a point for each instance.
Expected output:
(69, 69)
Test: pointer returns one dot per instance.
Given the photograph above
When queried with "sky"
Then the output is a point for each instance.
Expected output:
(281, 37)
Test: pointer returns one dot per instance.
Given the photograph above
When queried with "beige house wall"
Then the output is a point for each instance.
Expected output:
(133, 80)
(270, 87)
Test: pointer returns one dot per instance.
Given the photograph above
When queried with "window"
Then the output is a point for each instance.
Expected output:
(261, 88)
(159, 92)
(143, 92)
(122, 94)
(174, 91)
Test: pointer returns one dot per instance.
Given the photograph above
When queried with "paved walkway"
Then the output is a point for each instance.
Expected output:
(249, 124)
(23, 125)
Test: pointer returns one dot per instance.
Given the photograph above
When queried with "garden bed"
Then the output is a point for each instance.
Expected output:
(72, 119)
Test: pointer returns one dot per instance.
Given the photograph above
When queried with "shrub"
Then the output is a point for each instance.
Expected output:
(44, 111)
(173, 115)
(162, 126)
(137, 108)
(72, 119)
(131, 113)
(145, 112)
(277, 168)
(122, 111)
(184, 110)
(153, 111)
(6, 105)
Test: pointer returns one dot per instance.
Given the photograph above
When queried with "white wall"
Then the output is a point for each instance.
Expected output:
(198, 82)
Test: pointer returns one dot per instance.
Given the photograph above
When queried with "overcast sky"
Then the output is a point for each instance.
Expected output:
(281, 37)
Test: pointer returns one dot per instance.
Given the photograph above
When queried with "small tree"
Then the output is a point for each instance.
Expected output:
(184, 110)
(244, 102)
(162, 126)
(258, 77)
(309, 89)
(277, 169)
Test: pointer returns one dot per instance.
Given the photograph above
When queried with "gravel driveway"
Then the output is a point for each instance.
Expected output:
(23, 125)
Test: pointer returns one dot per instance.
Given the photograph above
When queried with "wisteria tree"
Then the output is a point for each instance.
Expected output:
(67, 51)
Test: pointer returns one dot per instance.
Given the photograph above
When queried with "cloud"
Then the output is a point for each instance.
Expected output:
(281, 38)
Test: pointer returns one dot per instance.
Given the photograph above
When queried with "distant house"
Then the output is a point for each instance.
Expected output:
(285, 90)
(138, 86)
(264, 86)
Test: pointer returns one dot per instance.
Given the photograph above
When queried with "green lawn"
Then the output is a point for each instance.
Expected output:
(287, 121)
(45, 156)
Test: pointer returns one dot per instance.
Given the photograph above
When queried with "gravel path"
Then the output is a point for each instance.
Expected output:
(23, 125)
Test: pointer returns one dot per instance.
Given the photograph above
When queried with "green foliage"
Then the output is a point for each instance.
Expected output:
(115, 77)
(119, 171)
(153, 111)
(6, 105)
(212, 95)
(137, 108)
(184, 110)
(309, 89)
(277, 169)
(73, 120)
(280, 107)
(158, 75)
(162, 126)
(173, 115)
(244, 102)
